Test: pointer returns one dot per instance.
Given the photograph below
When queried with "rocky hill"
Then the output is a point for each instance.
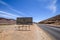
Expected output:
(52, 20)
(7, 21)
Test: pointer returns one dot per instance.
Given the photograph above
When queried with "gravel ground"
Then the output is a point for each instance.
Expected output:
(10, 32)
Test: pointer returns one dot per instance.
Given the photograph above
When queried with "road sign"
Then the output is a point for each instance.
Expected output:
(24, 20)
(24, 23)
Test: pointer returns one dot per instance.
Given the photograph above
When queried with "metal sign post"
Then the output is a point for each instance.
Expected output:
(24, 23)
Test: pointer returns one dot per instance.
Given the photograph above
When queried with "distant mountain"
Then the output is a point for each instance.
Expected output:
(52, 20)
(7, 21)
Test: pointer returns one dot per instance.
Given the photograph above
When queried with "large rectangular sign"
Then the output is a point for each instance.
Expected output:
(24, 20)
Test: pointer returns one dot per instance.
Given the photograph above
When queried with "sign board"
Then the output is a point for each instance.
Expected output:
(24, 21)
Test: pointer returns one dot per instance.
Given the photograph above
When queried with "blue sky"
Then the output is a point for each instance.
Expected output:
(38, 9)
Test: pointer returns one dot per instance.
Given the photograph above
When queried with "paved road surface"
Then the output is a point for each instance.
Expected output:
(53, 31)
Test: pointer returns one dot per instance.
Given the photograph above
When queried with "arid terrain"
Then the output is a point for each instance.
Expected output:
(7, 21)
(10, 32)
(53, 20)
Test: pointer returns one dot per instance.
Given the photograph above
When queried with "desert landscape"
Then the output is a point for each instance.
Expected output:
(10, 32)
(7, 21)
(53, 21)
(29, 19)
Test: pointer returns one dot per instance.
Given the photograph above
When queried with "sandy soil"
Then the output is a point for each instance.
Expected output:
(10, 32)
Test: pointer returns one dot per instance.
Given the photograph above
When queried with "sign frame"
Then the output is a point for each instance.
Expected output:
(24, 21)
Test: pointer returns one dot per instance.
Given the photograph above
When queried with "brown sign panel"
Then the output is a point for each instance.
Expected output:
(24, 20)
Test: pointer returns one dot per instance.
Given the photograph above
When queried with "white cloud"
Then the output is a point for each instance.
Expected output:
(53, 6)
(9, 15)
(50, 5)
(21, 14)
